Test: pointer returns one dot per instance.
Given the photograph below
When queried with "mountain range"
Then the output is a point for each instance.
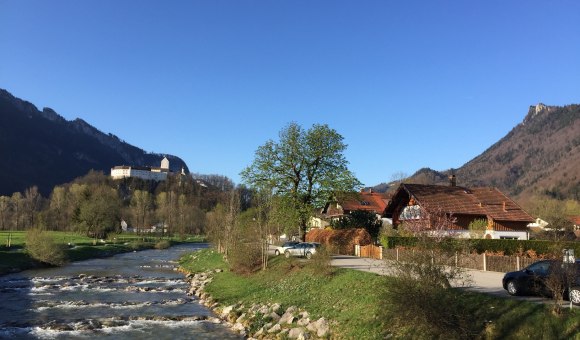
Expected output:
(541, 155)
(42, 148)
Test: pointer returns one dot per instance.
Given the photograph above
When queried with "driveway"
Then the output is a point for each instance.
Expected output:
(482, 282)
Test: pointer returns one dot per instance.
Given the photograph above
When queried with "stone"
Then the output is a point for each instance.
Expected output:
(303, 322)
(294, 333)
(275, 328)
(304, 336)
(273, 316)
(291, 309)
(275, 307)
(322, 327)
(264, 310)
(238, 327)
(241, 318)
(259, 332)
(287, 318)
(227, 310)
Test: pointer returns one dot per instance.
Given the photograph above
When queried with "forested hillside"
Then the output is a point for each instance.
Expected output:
(540, 156)
(41, 148)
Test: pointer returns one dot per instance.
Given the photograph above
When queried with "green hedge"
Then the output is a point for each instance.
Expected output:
(508, 247)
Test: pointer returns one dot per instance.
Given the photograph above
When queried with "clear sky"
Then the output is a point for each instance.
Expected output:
(408, 84)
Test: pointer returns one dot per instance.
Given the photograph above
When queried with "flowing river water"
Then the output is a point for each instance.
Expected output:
(135, 295)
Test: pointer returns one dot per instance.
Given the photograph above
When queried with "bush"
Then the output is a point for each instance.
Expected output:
(163, 244)
(42, 247)
(342, 241)
(320, 262)
(138, 245)
(245, 258)
(418, 309)
(507, 247)
(421, 295)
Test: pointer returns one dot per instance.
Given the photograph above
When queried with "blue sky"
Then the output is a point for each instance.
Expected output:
(408, 84)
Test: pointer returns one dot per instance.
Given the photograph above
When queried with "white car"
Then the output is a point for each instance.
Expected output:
(305, 249)
(281, 249)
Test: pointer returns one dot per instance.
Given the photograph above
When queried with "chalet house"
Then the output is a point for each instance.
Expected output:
(504, 218)
(364, 201)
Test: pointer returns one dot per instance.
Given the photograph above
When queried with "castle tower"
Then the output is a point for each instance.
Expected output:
(165, 163)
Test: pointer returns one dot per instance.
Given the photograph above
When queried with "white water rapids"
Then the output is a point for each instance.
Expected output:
(129, 296)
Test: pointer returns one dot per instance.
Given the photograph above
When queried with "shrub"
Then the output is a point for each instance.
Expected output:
(138, 245)
(421, 295)
(342, 241)
(163, 244)
(320, 262)
(507, 247)
(42, 247)
(245, 258)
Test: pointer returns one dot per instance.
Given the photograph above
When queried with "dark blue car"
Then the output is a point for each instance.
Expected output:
(532, 279)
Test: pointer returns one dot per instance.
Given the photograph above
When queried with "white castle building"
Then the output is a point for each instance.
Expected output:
(148, 173)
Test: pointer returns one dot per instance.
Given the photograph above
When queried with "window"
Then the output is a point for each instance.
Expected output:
(412, 212)
(509, 238)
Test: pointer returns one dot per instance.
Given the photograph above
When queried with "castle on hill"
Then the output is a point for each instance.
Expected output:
(148, 173)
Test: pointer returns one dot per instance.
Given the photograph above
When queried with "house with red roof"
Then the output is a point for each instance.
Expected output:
(459, 207)
(369, 201)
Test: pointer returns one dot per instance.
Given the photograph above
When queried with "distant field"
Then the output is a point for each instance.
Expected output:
(16, 258)
(78, 239)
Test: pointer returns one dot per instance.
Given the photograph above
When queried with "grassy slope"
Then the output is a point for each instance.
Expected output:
(354, 300)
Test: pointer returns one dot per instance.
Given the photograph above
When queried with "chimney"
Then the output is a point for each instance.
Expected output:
(452, 179)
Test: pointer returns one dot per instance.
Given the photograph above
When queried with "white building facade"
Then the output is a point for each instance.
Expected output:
(146, 173)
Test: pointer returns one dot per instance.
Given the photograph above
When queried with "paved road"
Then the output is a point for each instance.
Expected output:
(480, 281)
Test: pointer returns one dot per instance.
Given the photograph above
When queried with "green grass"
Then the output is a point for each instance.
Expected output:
(15, 258)
(355, 300)
(17, 239)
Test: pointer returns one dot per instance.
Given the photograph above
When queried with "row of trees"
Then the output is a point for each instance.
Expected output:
(95, 205)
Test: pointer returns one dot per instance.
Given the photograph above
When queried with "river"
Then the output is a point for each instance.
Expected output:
(135, 295)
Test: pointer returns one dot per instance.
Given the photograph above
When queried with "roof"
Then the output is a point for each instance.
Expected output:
(367, 201)
(483, 201)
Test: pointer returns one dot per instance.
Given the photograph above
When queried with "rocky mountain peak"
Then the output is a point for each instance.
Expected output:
(536, 110)
(50, 114)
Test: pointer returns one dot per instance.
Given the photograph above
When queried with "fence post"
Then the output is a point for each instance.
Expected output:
(456, 260)
(380, 252)
(484, 262)
(517, 263)
(357, 250)
(397, 249)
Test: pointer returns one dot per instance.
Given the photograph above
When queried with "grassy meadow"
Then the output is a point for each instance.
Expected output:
(80, 247)
(356, 303)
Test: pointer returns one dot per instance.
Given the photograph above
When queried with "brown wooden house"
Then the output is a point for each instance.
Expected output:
(370, 201)
(461, 206)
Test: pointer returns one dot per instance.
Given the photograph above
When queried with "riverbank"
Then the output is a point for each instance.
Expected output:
(15, 259)
(352, 302)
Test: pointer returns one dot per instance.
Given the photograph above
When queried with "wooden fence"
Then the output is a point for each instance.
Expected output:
(470, 261)
(372, 251)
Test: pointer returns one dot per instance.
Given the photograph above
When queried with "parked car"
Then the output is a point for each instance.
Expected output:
(305, 249)
(532, 280)
(281, 249)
